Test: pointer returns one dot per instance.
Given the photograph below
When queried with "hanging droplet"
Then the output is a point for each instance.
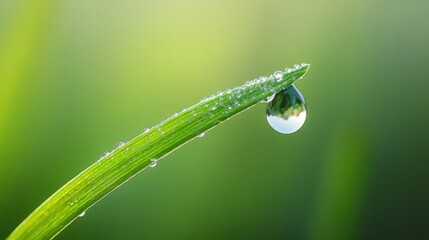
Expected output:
(286, 112)
(153, 162)
(200, 135)
(81, 214)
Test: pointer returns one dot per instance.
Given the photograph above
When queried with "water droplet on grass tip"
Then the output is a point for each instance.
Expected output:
(81, 214)
(286, 112)
(153, 163)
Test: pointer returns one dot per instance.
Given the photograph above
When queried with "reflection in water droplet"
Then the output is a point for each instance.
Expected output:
(286, 112)
(120, 144)
(200, 135)
(81, 214)
(153, 163)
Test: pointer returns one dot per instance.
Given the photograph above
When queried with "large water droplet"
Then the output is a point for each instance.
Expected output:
(286, 113)
(81, 214)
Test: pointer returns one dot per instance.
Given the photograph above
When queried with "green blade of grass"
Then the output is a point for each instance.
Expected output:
(129, 158)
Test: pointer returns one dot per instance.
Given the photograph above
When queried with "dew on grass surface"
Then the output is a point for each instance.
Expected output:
(278, 75)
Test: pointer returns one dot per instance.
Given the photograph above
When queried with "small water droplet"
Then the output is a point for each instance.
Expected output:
(200, 135)
(105, 154)
(120, 144)
(286, 112)
(278, 75)
(262, 78)
(153, 163)
(269, 99)
(81, 214)
(145, 130)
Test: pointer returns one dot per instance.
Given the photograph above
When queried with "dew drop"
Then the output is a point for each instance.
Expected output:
(153, 163)
(105, 154)
(120, 144)
(81, 214)
(200, 135)
(286, 112)
(268, 99)
(278, 75)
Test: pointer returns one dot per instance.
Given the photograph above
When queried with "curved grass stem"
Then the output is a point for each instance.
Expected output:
(129, 158)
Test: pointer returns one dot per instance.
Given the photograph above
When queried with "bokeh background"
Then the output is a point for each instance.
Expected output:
(78, 76)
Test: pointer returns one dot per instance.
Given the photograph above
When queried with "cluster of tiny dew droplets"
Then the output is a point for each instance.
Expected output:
(223, 103)
(234, 96)
(230, 102)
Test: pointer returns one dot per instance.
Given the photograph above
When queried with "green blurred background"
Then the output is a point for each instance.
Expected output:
(78, 76)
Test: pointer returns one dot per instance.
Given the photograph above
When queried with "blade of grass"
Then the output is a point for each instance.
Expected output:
(129, 158)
